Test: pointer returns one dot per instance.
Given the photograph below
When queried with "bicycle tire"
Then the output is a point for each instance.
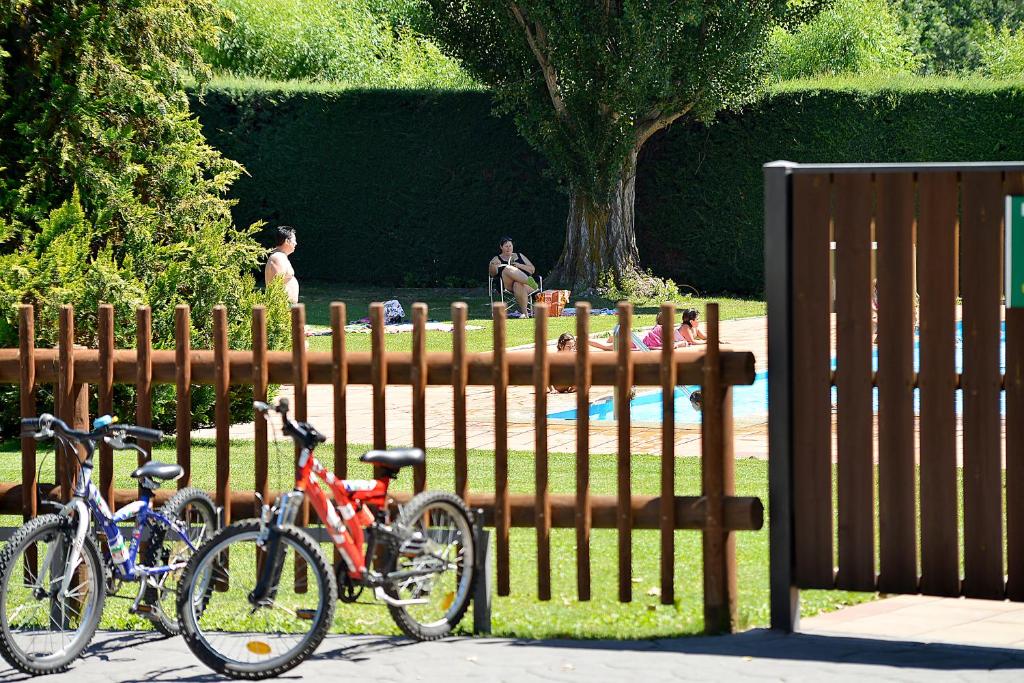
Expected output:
(408, 618)
(35, 529)
(197, 640)
(158, 553)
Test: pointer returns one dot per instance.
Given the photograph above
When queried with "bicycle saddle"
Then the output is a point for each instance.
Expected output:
(395, 457)
(158, 470)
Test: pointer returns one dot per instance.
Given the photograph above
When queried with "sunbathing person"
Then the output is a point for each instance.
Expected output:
(516, 273)
(690, 328)
(652, 339)
(567, 343)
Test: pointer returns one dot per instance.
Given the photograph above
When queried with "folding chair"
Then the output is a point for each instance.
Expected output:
(497, 292)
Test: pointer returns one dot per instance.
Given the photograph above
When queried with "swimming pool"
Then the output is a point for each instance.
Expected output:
(749, 402)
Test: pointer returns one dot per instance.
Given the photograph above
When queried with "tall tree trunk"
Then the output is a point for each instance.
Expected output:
(599, 234)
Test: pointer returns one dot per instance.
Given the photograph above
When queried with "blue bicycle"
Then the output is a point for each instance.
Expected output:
(54, 578)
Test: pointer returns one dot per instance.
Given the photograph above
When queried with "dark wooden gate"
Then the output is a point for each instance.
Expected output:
(869, 268)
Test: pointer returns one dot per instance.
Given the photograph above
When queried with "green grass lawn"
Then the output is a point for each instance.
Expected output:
(317, 296)
(521, 614)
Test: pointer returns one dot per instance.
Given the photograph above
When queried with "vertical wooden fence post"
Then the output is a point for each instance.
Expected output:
(668, 453)
(27, 399)
(583, 450)
(65, 398)
(259, 393)
(183, 391)
(716, 477)
(301, 408)
(624, 386)
(105, 333)
(144, 376)
(378, 376)
(502, 511)
(543, 497)
(418, 377)
(339, 378)
(222, 409)
(459, 371)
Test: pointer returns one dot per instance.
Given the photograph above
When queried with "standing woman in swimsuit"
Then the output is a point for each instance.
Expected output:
(516, 272)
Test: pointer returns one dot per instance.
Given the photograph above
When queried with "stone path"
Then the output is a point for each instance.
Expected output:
(754, 655)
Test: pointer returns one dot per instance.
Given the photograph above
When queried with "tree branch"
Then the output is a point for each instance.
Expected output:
(652, 124)
(538, 44)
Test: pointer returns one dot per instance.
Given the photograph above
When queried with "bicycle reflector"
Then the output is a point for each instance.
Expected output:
(257, 647)
(307, 614)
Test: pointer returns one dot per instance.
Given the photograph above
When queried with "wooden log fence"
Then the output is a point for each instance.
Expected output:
(716, 512)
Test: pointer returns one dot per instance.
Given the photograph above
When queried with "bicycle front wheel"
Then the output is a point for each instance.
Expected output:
(44, 628)
(232, 635)
(433, 566)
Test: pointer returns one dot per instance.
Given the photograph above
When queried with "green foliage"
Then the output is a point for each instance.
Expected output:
(588, 82)
(389, 188)
(400, 188)
(110, 192)
(849, 37)
(360, 42)
(950, 34)
(638, 287)
(1002, 54)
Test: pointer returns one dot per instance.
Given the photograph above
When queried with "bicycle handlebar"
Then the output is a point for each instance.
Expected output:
(47, 425)
(303, 433)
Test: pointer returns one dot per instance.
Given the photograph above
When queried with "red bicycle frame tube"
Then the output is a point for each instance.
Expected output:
(345, 519)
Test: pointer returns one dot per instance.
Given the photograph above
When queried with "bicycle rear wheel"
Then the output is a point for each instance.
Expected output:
(43, 630)
(433, 566)
(230, 634)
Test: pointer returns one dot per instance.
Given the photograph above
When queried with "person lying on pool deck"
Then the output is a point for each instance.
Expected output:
(652, 339)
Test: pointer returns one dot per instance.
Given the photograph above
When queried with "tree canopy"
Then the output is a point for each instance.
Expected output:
(588, 82)
(109, 191)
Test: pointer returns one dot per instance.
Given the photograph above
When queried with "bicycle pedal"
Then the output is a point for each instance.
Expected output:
(307, 614)
(141, 609)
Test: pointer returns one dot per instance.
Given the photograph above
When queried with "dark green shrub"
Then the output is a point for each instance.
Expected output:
(110, 192)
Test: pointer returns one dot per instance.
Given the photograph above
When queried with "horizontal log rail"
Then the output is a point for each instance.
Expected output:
(737, 367)
(741, 513)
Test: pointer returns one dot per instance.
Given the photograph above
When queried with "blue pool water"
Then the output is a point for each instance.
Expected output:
(749, 402)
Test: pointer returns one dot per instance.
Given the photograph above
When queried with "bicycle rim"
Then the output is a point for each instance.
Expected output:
(445, 533)
(43, 626)
(248, 638)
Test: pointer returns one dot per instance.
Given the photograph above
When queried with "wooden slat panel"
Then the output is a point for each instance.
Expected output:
(183, 391)
(418, 378)
(222, 410)
(300, 381)
(623, 385)
(812, 418)
(259, 393)
(896, 471)
(853, 379)
(459, 372)
(982, 456)
(27, 400)
(583, 450)
(1015, 434)
(63, 469)
(144, 376)
(339, 379)
(502, 512)
(542, 494)
(105, 396)
(937, 381)
(668, 454)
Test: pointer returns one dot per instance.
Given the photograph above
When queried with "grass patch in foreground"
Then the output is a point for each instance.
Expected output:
(521, 614)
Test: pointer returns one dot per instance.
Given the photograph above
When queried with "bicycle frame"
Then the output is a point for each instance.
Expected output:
(346, 517)
(86, 498)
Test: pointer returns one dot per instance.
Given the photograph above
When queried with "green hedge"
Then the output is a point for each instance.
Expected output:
(386, 187)
(403, 187)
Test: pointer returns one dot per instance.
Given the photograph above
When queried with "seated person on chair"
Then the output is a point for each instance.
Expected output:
(516, 273)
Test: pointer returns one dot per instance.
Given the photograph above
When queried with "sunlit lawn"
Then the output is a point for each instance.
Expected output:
(521, 614)
(317, 297)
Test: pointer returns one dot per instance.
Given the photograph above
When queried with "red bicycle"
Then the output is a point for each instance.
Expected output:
(260, 609)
